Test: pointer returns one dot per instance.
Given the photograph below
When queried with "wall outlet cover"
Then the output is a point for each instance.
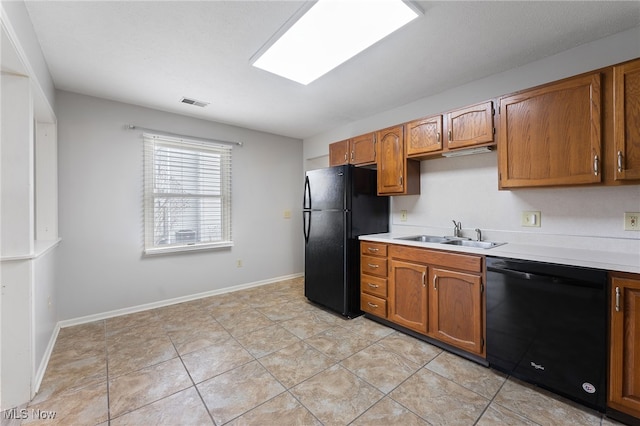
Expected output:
(403, 215)
(531, 219)
(632, 221)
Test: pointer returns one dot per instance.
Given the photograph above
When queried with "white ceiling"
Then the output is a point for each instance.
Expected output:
(152, 53)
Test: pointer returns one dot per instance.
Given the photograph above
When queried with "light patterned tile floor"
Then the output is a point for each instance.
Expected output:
(265, 356)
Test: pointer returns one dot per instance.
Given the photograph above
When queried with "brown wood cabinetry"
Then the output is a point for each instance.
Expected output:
(551, 135)
(373, 278)
(626, 119)
(397, 175)
(359, 151)
(339, 153)
(470, 126)
(408, 295)
(624, 355)
(455, 309)
(424, 136)
(436, 293)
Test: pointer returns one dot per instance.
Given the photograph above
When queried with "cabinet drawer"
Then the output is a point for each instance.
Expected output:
(373, 249)
(373, 305)
(373, 285)
(373, 266)
(466, 262)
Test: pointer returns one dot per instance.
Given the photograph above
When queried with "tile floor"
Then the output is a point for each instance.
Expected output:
(265, 356)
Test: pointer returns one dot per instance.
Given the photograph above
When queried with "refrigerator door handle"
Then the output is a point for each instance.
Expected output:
(306, 203)
(306, 225)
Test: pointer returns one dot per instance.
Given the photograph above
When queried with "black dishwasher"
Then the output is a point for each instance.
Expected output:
(546, 325)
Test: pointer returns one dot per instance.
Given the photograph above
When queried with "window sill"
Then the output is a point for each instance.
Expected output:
(186, 248)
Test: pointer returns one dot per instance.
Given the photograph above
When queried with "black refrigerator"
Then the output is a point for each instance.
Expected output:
(340, 204)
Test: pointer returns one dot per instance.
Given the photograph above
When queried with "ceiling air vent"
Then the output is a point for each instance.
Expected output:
(201, 104)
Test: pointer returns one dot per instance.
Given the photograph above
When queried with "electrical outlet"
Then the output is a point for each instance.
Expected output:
(239, 263)
(287, 214)
(531, 219)
(403, 215)
(631, 221)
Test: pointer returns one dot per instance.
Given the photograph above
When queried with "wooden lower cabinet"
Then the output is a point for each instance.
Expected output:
(624, 355)
(373, 278)
(455, 309)
(436, 293)
(408, 295)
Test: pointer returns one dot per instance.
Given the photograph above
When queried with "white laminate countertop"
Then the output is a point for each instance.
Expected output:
(607, 260)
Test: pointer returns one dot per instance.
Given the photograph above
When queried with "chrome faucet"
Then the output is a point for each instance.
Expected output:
(457, 229)
(478, 234)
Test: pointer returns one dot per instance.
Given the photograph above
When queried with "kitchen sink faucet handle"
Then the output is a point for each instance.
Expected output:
(457, 228)
(478, 234)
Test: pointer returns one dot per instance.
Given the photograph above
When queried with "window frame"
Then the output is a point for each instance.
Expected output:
(151, 144)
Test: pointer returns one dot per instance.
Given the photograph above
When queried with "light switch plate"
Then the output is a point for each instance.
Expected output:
(632, 221)
(403, 215)
(531, 219)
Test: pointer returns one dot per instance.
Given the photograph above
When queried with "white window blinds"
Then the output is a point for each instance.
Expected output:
(187, 194)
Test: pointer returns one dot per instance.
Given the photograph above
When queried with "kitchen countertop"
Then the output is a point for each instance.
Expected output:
(607, 260)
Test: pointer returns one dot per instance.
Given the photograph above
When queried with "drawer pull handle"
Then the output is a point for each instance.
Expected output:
(438, 137)
(373, 249)
(373, 285)
(372, 305)
(596, 165)
(617, 299)
(373, 265)
(435, 280)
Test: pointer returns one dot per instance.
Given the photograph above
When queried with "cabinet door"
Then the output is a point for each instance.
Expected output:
(455, 309)
(626, 119)
(391, 166)
(339, 153)
(470, 126)
(407, 300)
(551, 135)
(424, 136)
(624, 357)
(363, 149)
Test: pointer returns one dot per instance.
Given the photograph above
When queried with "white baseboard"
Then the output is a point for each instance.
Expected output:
(37, 380)
(159, 304)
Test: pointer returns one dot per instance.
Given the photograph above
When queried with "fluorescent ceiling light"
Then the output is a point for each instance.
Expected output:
(330, 33)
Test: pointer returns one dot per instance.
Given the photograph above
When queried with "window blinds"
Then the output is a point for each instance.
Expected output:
(187, 194)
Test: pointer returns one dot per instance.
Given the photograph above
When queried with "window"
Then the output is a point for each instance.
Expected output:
(187, 194)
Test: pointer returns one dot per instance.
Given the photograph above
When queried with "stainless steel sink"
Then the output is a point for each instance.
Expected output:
(424, 238)
(476, 244)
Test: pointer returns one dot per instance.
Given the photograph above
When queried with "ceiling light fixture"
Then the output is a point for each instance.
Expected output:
(322, 36)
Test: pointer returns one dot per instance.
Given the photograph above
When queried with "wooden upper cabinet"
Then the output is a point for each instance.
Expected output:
(424, 136)
(551, 135)
(358, 151)
(455, 309)
(339, 153)
(363, 149)
(624, 355)
(470, 126)
(626, 119)
(396, 174)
